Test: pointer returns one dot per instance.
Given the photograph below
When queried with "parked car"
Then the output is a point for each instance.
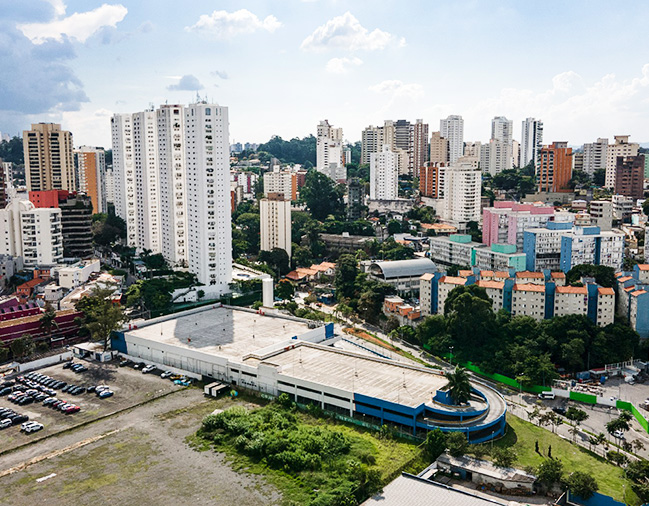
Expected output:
(67, 365)
(16, 419)
(148, 369)
(91, 389)
(166, 374)
(139, 365)
(559, 410)
(5, 423)
(34, 428)
(182, 382)
(105, 393)
(126, 362)
(100, 388)
(72, 409)
(618, 434)
(5, 391)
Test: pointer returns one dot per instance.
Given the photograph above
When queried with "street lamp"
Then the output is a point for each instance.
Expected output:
(451, 355)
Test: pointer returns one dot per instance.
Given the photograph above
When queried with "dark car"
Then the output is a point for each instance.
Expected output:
(68, 388)
(41, 397)
(67, 365)
(559, 410)
(59, 384)
(25, 400)
(91, 389)
(49, 400)
(5, 391)
(126, 362)
(56, 404)
(81, 368)
(16, 419)
(8, 383)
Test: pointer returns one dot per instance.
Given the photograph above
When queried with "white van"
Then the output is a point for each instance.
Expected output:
(546, 395)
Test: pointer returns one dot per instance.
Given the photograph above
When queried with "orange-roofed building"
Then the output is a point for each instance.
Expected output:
(528, 299)
(494, 291)
(525, 277)
(446, 284)
(26, 290)
(559, 278)
(570, 300)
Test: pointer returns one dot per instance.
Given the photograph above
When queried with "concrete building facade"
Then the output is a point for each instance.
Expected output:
(531, 142)
(90, 165)
(621, 147)
(555, 167)
(49, 162)
(275, 223)
(452, 129)
(384, 175)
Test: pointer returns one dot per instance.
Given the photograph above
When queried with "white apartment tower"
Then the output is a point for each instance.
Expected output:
(452, 129)
(329, 151)
(595, 155)
(173, 174)
(147, 180)
(35, 234)
(384, 175)
(126, 197)
(622, 147)
(172, 187)
(207, 152)
(531, 141)
(462, 189)
(275, 221)
(498, 155)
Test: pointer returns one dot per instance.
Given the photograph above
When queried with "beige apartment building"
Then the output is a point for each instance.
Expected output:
(49, 160)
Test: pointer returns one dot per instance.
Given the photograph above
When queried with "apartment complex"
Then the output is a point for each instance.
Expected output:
(90, 166)
(497, 155)
(531, 142)
(462, 191)
(506, 222)
(438, 149)
(555, 167)
(452, 129)
(49, 162)
(275, 223)
(384, 175)
(460, 250)
(330, 158)
(431, 180)
(284, 182)
(629, 176)
(540, 295)
(621, 147)
(178, 155)
(35, 234)
(409, 140)
(633, 298)
(595, 156)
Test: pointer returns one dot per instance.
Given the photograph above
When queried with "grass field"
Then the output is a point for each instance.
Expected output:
(523, 435)
(386, 455)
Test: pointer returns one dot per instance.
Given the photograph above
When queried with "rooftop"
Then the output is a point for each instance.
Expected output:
(402, 268)
(484, 283)
(453, 280)
(572, 289)
(605, 291)
(486, 468)
(223, 331)
(528, 287)
(529, 274)
(643, 267)
(557, 275)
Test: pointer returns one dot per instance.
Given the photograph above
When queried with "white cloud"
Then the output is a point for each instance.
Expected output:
(345, 32)
(342, 65)
(186, 83)
(225, 25)
(79, 26)
(397, 88)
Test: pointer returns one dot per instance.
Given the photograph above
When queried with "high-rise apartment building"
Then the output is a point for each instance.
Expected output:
(629, 176)
(621, 147)
(49, 163)
(555, 167)
(275, 223)
(329, 151)
(3, 188)
(531, 142)
(284, 182)
(172, 167)
(178, 155)
(595, 156)
(462, 190)
(31, 233)
(419, 134)
(438, 149)
(355, 194)
(384, 175)
(497, 155)
(431, 181)
(371, 142)
(452, 129)
(90, 166)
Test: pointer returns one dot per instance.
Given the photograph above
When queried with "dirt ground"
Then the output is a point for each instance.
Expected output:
(138, 457)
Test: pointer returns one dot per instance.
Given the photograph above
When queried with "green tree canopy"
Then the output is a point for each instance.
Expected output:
(550, 471)
(435, 444)
(345, 277)
(458, 385)
(101, 316)
(277, 259)
(294, 151)
(604, 276)
(582, 484)
(321, 196)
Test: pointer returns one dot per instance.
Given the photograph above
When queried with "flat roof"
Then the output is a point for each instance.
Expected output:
(373, 377)
(222, 331)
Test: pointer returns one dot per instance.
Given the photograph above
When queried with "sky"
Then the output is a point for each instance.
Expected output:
(282, 66)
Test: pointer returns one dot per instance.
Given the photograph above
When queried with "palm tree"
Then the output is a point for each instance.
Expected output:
(458, 386)
(48, 321)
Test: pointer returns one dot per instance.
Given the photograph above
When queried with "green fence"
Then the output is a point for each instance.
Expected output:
(638, 416)
(534, 389)
(582, 397)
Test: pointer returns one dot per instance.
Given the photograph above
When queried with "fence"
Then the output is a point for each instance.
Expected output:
(638, 416)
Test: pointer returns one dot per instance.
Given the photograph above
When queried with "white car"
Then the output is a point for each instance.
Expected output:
(166, 374)
(5, 423)
(148, 369)
(101, 388)
(618, 434)
(26, 425)
(35, 427)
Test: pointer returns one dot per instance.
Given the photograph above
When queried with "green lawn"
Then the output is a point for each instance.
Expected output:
(523, 435)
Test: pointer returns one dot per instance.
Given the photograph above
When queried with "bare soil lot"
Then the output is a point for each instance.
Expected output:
(137, 457)
(131, 387)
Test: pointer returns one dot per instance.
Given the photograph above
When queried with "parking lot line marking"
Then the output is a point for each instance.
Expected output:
(55, 453)
(39, 480)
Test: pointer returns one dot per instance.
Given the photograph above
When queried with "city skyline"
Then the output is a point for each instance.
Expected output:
(77, 63)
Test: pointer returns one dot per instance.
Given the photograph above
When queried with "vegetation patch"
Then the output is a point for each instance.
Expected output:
(314, 461)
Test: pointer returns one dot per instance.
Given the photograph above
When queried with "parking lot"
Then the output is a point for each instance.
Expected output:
(129, 385)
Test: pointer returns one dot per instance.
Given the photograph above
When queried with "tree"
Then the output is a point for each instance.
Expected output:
(503, 457)
(645, 207)
(549, 472)
(435, 444)
(200, 294)
(579, 179)
(107, 228)
(599, 177)
(345, 277)
(321, 196)
(458, 386)
(22, 346)
(619, 424)
(284, 289)
(582, 484)
(101, 315)
(576, 415)
(277, 259)
(394, 227)
(249, 225)
(457, 444)
(48, 320)
(604, 276)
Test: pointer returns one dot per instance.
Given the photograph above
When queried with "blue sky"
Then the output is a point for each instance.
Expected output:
(281, 66)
